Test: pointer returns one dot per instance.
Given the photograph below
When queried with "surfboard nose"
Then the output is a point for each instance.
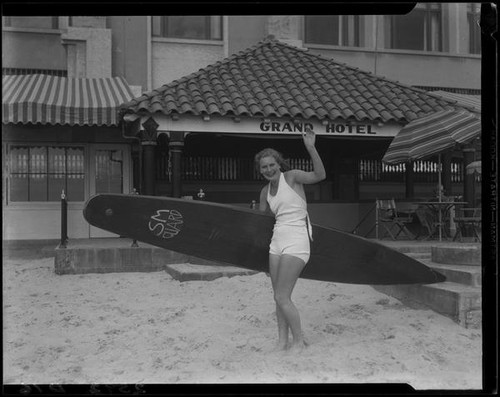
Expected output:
(96, 209)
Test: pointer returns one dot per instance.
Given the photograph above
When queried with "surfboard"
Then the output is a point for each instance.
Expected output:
(239, 236)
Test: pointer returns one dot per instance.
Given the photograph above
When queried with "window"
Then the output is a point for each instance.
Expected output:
(419, 30)
(31, 22)
(473, 16)
(188, 27)
(40, 173)
(340, 30)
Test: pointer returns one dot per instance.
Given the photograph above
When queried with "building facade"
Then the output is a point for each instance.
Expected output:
(435, 47)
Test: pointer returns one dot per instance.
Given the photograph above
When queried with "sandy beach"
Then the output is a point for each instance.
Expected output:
(150, 328)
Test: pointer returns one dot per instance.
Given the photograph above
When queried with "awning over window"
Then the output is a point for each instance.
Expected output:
(473, 101)
(45, 99)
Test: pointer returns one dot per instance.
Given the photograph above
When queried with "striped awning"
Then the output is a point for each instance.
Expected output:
(44, 99)
(469, 101)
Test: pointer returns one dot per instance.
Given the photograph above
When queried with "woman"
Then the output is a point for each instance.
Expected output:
(290, 248)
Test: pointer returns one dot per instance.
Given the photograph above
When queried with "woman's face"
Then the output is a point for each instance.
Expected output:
(269, 168)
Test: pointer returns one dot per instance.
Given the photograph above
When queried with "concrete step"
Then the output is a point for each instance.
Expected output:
(419, 255)
(460, 274)
(463, 254)
(414, 247)
(190, 271)
(462, 303)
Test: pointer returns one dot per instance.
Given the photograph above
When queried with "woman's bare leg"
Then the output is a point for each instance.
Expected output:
(274, 261)
(289, 269)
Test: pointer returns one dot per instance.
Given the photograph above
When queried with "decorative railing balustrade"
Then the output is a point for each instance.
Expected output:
(424, 171)
(204, 168)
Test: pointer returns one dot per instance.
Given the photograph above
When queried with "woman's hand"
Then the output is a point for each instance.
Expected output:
(309, 138)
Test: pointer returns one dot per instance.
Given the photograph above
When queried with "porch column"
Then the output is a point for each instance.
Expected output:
(176, 146)
(148, 143)
(410, 182)
(468, 178)
(446, 175)
(136, 168)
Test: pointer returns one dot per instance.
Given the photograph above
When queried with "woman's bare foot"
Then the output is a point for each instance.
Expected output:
(281, 346)
(298, 346)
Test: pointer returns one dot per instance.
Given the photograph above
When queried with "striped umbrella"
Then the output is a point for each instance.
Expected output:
(473, 167)
(431, 135)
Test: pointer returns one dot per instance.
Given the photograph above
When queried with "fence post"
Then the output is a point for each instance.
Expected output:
(134, 241)
(64, 220)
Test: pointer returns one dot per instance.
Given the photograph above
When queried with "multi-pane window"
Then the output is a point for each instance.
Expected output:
(188, 27)
(340, 30)
(473, 15)
(31, 22)
(41, 173)
(418, 30)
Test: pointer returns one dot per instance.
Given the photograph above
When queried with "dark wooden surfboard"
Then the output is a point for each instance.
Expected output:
(240, 237)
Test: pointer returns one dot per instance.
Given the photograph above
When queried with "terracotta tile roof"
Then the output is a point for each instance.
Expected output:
(274, 79)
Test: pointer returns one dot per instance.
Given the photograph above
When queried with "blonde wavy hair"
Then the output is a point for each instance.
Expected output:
(269, 152)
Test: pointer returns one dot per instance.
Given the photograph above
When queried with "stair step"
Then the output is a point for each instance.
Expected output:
(419, 255)
(462, 303)
(410, 248)
(463, 254)
(460, 274)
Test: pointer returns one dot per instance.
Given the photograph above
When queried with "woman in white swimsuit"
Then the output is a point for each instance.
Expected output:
(289, 249)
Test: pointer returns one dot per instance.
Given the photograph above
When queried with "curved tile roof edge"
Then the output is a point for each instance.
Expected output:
(125, 108)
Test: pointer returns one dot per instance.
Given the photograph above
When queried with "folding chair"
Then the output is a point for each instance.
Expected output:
(387, 217)
(468, 219)
(428, 220)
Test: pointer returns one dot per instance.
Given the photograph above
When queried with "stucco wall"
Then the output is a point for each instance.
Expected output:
(409, 68)
(130, 39)
(89, 52)
(43, 221)
(173, 60)
(245, 31)
(33, 50)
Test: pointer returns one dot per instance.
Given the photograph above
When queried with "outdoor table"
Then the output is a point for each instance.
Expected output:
(441, 208)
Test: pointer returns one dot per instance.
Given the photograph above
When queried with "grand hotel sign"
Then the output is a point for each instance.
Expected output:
(274, 127)
(325, 129)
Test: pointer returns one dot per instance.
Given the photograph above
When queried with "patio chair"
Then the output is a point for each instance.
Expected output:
(387, 217)
(427, 219)
(468, 219)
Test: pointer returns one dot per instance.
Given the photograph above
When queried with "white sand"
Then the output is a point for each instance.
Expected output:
(149, 328)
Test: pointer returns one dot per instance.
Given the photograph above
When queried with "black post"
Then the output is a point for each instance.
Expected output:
(148, 142)
(176, 146)
(468, 178)
(409, 180)
(64, 220)
(134, 241)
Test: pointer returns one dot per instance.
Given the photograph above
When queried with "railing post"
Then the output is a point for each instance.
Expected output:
(134, 241)
(201, 195)
(64, 220)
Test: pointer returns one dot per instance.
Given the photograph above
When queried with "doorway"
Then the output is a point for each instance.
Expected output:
(109, 173)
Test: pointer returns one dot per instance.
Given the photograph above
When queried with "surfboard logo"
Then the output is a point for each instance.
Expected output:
(166, 223)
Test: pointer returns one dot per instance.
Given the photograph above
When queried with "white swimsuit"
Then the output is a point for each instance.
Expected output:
(292, 229)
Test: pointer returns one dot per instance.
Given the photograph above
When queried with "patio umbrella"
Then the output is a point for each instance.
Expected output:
(433, 134)
(473, 167)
